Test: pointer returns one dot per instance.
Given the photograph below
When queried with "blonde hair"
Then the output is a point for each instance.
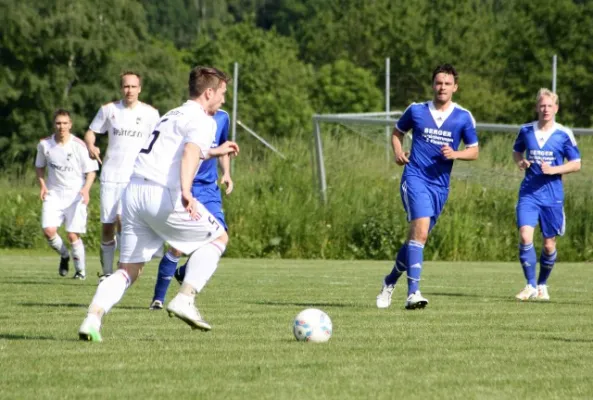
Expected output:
(548, 93)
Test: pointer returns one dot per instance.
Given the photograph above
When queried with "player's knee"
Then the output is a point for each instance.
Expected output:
(133, 270)
(73, 237)
(108, 231)
(174, 252)
(50, 232)
(549, 246)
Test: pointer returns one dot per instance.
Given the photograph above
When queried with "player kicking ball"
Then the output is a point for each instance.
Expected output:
(540, 150)
(438, 127)
(65, 194)
(158, 205)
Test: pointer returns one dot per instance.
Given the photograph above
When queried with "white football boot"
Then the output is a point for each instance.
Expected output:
(90, 329)
(384, 296)
(415, 301)
(528, 293)
(542, 292)
(182, 307)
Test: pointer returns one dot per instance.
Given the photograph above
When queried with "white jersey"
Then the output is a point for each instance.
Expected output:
(128, 129)
(67, 164)
(160, 160)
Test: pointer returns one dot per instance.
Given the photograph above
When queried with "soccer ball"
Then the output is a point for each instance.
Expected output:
(312, 325)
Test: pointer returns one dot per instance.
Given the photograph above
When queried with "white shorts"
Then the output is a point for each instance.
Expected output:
(64, 208)
(153, 214)
(111, 194)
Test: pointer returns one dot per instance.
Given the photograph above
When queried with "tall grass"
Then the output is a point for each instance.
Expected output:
(275, 209)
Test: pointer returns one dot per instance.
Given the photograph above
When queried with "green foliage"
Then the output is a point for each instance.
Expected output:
(274, 83)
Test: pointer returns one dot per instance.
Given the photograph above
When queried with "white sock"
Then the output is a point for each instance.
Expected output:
(110, 291)
(202, 264)
(58, 245)
(107, 256)
(78, 255)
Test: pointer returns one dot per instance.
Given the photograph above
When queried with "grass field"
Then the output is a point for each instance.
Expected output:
(473, 341)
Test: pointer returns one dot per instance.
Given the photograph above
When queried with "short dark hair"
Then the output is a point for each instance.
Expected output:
(202, 78)
(126, 73)
(62, 112)
(445, 69)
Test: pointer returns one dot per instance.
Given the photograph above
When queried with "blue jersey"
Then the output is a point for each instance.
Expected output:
(552, 147)
(208, 172)
(431, 130)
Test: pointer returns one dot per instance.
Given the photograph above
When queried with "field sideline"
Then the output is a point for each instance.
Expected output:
(474, 341)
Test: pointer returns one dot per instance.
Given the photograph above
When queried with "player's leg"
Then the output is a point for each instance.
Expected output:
(205, 240)
(52, 216)
(111, 194)
(417, 237)
(167, 268)
(75, 217)
(527, 219)
(552, 223)
(211, 199)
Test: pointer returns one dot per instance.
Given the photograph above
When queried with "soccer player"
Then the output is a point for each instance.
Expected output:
(540, 150)
(65, 196)
(128, 122)
(438, 127)
(158, 205)
(206, 191)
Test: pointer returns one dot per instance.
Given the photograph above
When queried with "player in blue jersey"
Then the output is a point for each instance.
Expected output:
(438, 127)
(205, 189)
(540, 150)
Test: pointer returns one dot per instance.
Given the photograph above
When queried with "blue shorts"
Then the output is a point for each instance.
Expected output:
(551, 219)
(421, 200)
(209, 196)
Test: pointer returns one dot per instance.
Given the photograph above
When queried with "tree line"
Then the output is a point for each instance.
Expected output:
(297, 57)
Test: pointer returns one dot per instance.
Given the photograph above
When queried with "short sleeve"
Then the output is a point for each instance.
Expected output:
(200, 132)
(406, 121)
(40, 160)
(224, 129)
(571, 151)
(469, 134)
(87, 163)
(519, 146)
(100, 123)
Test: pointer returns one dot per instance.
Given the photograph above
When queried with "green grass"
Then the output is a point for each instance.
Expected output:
(473, 341)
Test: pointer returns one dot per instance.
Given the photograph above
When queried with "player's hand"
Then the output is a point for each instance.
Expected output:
(43, 193)
(228, 182)
(95, 153)
(228, 147)
(84, 193)
(547, 169)
(402, 158)
(448, 152)
(524, 164)
(191, 205)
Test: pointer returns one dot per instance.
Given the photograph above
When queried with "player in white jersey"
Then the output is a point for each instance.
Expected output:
(65, 194)
(128, 123)
(158, 205)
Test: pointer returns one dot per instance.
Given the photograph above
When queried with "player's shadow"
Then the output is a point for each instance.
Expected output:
(569, 340)
(10, 336)
(302, 304)
(52, 283)
(76, 305)
(449, 294)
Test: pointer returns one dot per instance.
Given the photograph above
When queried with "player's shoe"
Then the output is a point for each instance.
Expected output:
(542, 292)
(63, 270)
(528, 293)
(384, 296)
(102, 277)
(80, 275)
(415, 301)
(90, 329)
(156, 305)
(183, 307)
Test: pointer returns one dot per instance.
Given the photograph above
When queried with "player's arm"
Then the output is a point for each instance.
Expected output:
(397, 144)
(94, 152)
(566, 168)
(40, 171)
(225, 166)
(520, 160)
(86, 189)
(467, 154)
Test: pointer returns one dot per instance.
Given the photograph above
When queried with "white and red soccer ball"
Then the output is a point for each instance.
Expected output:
(312, 325)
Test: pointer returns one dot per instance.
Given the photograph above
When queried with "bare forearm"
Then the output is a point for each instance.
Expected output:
(517, 157)
(40, 176)
(89, 179)
(90, 138)
(225, 164)
(189, 165)
(567, 168)
(397, 138)
(468, 154)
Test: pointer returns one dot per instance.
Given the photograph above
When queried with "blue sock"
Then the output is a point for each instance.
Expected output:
(399, 267)
(528, 259)
(180, 273)
(415, 257)
(546, 263)
(167, 268)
